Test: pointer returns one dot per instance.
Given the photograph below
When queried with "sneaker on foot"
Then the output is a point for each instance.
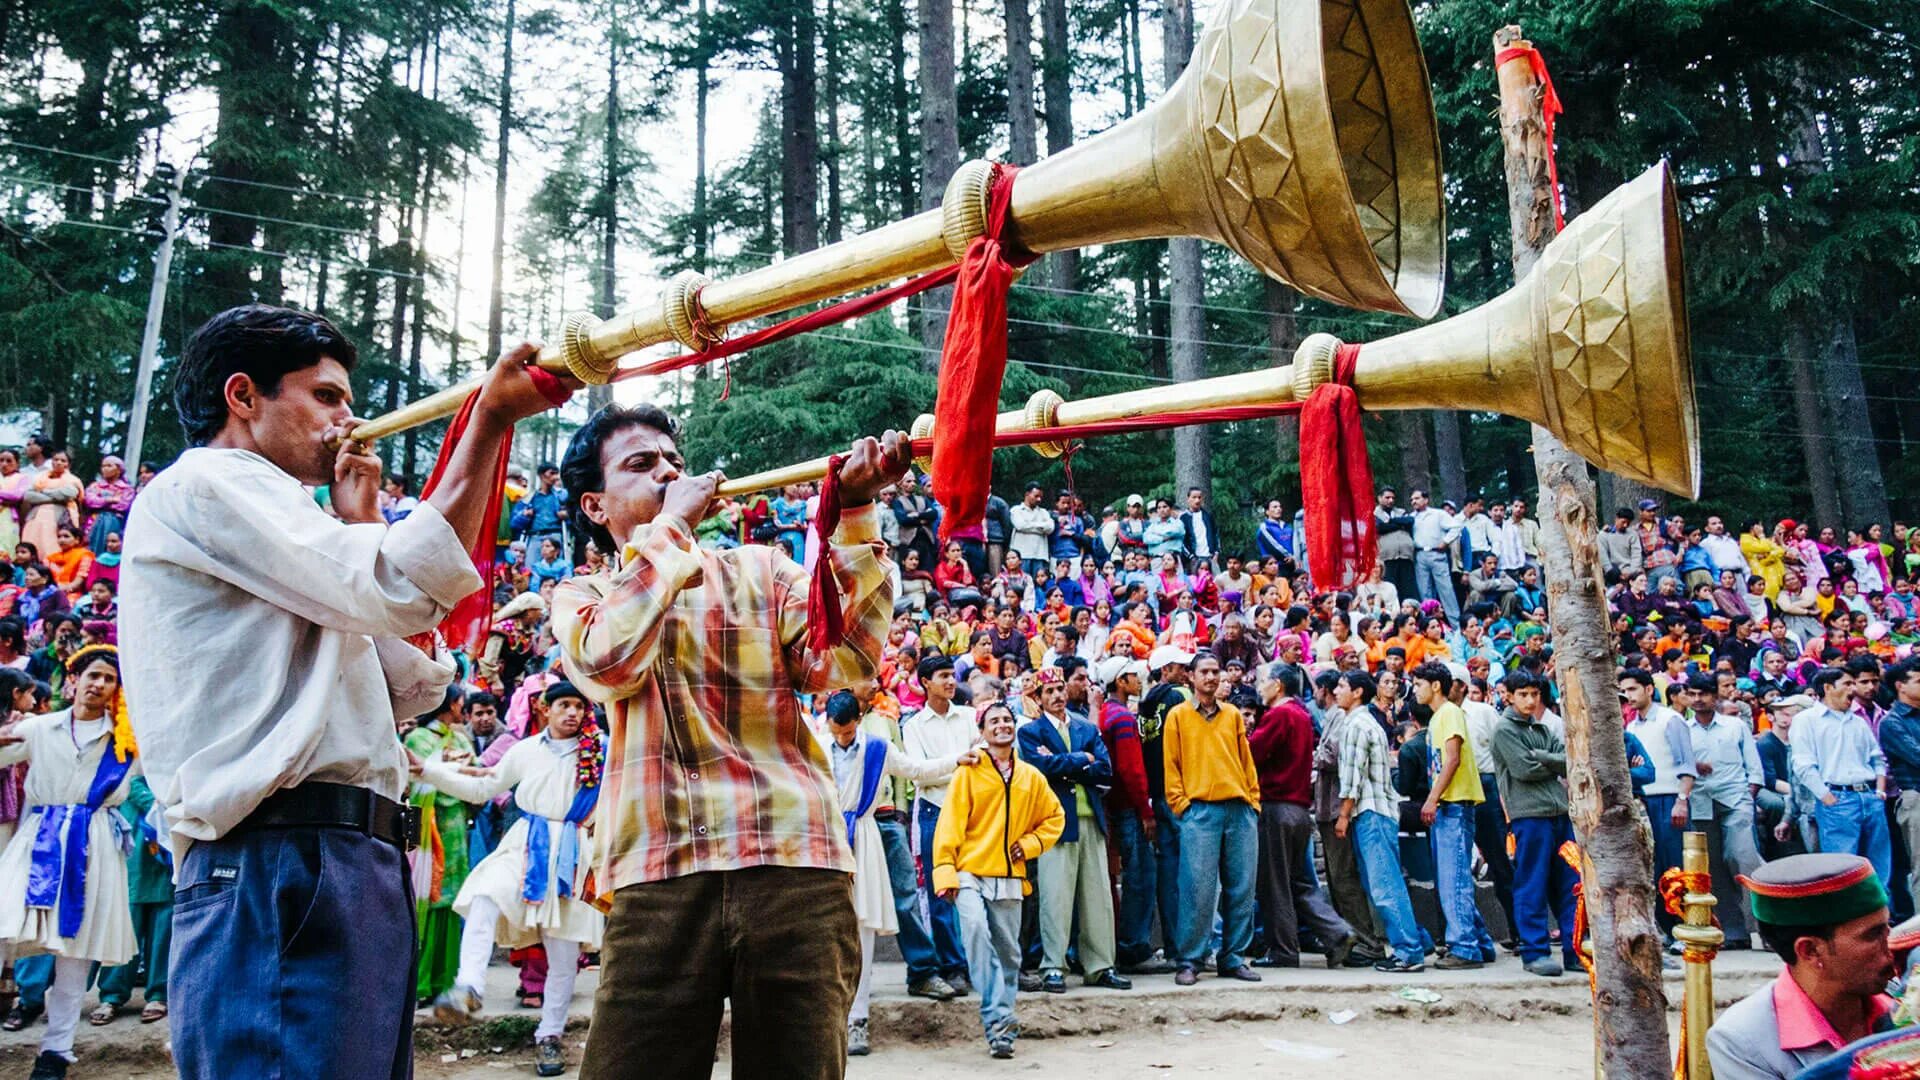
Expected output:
(933, 987)
(1342, 951)
(456, 1006)
(1545, 965)
(1395, 966)
(1054, 981)
(548, 1058)
(1452, 962)
(857, 1045)
(49, 1066)
(1029, 982)
(1000, 1048)
(962, 986)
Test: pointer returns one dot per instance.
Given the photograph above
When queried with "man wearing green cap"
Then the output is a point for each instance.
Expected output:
(1826, 915)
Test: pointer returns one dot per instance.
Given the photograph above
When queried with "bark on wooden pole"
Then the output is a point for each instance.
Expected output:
(1630, 1004)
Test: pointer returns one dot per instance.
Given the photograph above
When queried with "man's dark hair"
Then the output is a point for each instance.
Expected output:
(843, 707)
(1519, 680)
(1902, 671)
(1326, 680)
(545, 468)
(1781, 938)
(1434, 672)
(581, 470)
(479, 698)
(1069, 664)
(1668, 656)
(1824, 678)
(13, 631)
(1704, 683)
(1287, 675)
(45, 444)
(263, 342)
(1362, 684)
(933, 665)
(1638, 674)
(1863, 664)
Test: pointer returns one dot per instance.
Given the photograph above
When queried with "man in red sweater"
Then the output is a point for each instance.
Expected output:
(1129, 806)
(1290, 894)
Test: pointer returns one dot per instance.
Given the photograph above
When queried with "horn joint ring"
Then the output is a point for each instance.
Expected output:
(577, 350)
(1043, 410)
(963, 208)
(922, 429)
(685, 317)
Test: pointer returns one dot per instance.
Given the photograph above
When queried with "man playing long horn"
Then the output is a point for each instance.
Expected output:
(721, 830)
(266, 667)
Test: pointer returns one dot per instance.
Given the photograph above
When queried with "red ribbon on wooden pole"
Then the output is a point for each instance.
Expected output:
(1336, 480)
(1549, 108)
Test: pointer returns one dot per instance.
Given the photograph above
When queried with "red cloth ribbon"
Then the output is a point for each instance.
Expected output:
(973, 362)
(826, 621)
(466, 625)
(1336, 481)
(1549, 108)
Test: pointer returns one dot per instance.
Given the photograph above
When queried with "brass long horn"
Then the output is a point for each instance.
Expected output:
(1301, 135)
(1591, 345)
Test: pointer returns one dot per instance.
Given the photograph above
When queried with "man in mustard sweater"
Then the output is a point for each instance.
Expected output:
(1213, 790)
(999, 816)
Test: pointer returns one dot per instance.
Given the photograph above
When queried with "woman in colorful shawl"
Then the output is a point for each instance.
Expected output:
(106, 565)
(440, 862)
(54, 495)
(13, 485)
(107, 500)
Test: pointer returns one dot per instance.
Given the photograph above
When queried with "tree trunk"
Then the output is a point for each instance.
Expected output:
(903, 144)
(701, 228)
(1186, 284)
(1863, 491)
(1815, 450)
(836, 206)
(1416, 450)
(1023, 136)
(1056, 81)
(939, 148)
(417, 263)
(1283, 338)
(496, 309)
(1630, 1003)
(799, 129)
(1448, 453)
(456, 368)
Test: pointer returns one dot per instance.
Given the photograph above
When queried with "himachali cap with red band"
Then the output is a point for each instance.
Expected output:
(1904, 937)
(1815, 890)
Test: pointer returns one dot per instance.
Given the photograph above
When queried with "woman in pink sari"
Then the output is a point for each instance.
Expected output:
(107, 500)
(53, 495)
(13, 484)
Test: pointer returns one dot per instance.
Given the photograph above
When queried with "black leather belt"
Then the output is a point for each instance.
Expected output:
(1859, 789)
(317, 805)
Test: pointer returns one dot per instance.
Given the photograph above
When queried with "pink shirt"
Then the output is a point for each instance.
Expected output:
(1801, 1023)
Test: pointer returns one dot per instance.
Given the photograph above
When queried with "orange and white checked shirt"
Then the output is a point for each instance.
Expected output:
(698, 656)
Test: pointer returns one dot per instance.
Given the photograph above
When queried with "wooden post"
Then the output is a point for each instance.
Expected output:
(1630, 1004)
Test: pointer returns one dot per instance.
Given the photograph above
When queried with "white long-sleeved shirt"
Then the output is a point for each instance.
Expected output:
(1725, 744)
(1832, 748)
(1434, 528)
(260, 637)
(1032, 528)
(929, 736)
(1669, 745)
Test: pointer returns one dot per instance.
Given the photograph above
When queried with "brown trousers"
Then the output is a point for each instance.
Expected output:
(779, 943)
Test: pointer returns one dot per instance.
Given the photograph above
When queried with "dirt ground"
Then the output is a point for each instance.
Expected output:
(1537, 1048)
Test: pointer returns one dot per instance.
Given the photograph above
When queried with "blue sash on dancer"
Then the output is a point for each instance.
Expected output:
(536, 887)
(58, 874)
(873, 766)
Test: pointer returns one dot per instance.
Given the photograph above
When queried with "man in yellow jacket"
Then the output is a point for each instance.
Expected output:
(999, 816)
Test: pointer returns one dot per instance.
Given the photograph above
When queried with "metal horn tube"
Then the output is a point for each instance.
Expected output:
(1593, 345)
(1302, 136)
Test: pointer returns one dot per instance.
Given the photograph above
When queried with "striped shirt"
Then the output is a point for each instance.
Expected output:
(698, 656)
(1365, 775)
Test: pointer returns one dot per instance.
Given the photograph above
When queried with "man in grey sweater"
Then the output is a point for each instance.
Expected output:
(1530, 763)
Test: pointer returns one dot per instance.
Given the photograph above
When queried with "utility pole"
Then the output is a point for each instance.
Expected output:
(156, 309)
(1630, 1003)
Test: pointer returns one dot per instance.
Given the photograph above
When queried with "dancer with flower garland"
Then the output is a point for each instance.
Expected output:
(536, 886)
(63, 877)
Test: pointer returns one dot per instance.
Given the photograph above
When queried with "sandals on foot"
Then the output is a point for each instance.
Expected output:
(155, 1010)
(533, 1001)
(103, 1014)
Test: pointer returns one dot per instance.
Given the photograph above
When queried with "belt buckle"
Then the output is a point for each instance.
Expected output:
(409, 826)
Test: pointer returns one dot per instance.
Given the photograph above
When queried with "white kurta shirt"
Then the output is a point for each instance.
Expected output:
(544, 775)
(260, 637)
(929, 736)
(872, 885)
(64, 758)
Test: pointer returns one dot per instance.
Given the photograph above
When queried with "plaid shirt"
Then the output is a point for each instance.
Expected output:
(698, 656)
(1364, 768)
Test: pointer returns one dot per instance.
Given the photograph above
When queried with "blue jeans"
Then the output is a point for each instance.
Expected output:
(293, 957)
(915, 946)
(1376, 840)
(991, 930)
(945, 924)
(1667, 845)
(1219, 850)
(1433, 571)
(1543, 886)
(1149, 884)
(1856, 824)
(1452, 833)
